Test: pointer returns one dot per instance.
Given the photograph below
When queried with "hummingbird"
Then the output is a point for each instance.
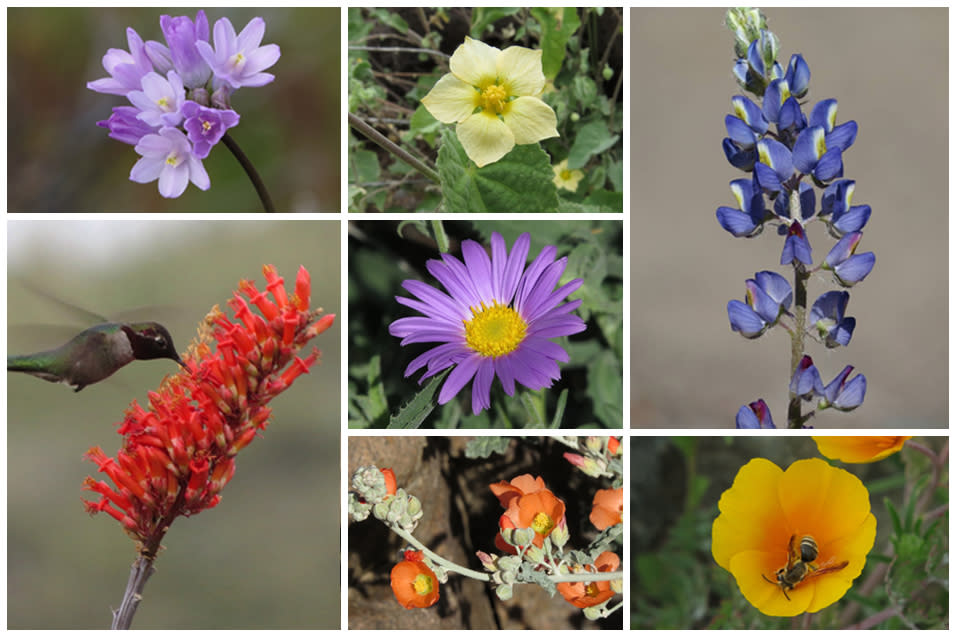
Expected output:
(97, 353)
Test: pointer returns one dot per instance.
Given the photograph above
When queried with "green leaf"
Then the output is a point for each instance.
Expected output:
(485, 446)
(559, 410)
(378, 404)
(483, 17)
(593, 138)
(363, 166)
(606, 389)
(424, 125)
(558, 25)
(412, 415)
(521, 181)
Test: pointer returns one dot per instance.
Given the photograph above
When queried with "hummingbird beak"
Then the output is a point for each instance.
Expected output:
(180, 361)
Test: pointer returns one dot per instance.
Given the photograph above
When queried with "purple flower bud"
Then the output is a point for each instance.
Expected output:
(206, 126)
(806, 381)
(182, 35)
(125, 126)
(826, 316)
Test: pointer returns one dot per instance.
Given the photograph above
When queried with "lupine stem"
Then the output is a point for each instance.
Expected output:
(800, 278)
(251, 171)
(373, 135)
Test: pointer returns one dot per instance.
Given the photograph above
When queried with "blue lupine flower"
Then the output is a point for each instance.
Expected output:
(843, 395)
(782, 108)
(849, 268)
(836, 208)
(768, 296)
(798, 76)
(747, 220)
(827, 316)
(806, 381)
(756, 415)
(796, 247)
(775, 166)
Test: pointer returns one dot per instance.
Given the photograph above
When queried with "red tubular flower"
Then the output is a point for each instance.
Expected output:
(179, 454)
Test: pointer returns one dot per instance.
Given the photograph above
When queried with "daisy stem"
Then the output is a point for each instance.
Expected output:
(251, 171)
(374, 136)
(438, 229)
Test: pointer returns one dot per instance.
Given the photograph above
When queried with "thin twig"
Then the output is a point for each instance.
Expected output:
(373, 135)
(251, 171)
(398, 49)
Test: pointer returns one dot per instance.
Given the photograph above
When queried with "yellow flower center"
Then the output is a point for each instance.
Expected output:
(206, 125)
(566, 174)
(591, 590)
(494, 331)
(163, 103)
(423, 584)
(493, 98)
(542, 524)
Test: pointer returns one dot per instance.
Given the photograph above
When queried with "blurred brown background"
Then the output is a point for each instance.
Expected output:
(59, 160)
(268, 555)
(888, 70)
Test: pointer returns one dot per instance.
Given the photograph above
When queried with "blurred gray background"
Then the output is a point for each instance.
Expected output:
(888, 70)
(268, 555)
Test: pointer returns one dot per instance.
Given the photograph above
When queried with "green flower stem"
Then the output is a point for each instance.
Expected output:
(374, 136)
(251, 171)
(441, 238)
(446, 564)
(795, 418)
(586, 577)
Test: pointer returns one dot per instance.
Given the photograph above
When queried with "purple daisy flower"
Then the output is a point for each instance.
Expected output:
(496, 320)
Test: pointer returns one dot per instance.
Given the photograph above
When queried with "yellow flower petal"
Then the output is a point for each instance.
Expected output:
(823, 501)
(747, 508)
(519, 69)
(859, 448)
(531, 120)
(749, 569)
(474, 62)
(485, 138)
(450, 100)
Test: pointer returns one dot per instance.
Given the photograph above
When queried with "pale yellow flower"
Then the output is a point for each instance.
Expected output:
(492, 96)
(567, 179)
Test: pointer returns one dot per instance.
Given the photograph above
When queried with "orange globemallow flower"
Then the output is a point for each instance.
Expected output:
(391, 484)
(585, 594)
(766, 517)
(414, 584)
(179, 454)
(607, 508)
(859, 448)
(528, 504)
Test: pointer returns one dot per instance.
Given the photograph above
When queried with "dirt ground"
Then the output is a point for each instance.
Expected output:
(888, 70)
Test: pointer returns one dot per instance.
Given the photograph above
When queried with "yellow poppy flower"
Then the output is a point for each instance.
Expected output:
(764, 519)
(492, 96)
(567, 179)
(859, 448)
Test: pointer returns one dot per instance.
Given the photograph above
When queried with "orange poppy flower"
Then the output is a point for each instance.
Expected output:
(859, 448)
(414, 584)
(585, 594)
(766, 517)
(607, 508)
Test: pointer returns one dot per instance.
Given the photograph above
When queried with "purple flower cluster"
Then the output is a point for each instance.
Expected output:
(788, 156)
(180, 94)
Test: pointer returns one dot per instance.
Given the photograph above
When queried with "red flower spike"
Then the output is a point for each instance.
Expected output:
(303, 288)
(274, 285)
(178, 453)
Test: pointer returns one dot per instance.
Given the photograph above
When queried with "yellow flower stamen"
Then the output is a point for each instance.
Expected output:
(591, 590)
(422, 584)
(495, 331)
(542, 524)
(493, 98)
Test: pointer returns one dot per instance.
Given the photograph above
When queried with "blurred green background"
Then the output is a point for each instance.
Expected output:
(268, 555)
(60, 161)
